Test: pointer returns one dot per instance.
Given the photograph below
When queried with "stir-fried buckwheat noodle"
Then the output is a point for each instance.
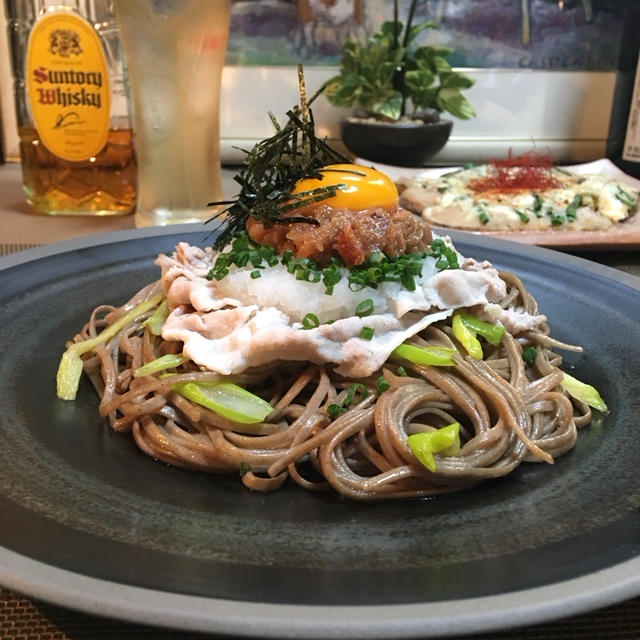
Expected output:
(509, 412)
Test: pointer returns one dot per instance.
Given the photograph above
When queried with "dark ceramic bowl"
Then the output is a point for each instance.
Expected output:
(406, 144)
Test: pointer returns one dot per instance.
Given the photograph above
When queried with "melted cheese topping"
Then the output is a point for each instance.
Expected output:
(590, 201)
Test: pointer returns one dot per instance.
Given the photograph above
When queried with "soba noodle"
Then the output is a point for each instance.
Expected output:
(509, 412)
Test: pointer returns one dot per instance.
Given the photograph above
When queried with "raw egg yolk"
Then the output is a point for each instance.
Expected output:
(364, 187)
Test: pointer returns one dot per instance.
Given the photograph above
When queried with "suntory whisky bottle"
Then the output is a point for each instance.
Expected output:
(75, 134)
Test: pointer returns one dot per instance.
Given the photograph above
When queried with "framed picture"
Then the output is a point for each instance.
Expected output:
(545, 71)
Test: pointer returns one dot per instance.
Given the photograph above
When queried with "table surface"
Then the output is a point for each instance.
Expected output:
(21, 617)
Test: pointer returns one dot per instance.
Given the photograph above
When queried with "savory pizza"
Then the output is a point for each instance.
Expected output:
(519, 193)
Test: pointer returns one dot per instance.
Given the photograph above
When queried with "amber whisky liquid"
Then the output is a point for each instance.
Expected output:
(102, 185)
(72, 107)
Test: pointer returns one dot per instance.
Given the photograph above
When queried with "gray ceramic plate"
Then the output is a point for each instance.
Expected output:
(89, 522)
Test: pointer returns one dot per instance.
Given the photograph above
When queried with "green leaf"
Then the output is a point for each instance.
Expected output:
(423, 59)
(455, 103)
(332, 86)
(419, 79)
(351, 54)
(442, 52)
(386, 71)
(392, 108)
(419, 28)
(347, 94)
(456, 80)
(441, 65)
(420, 85)
(391, 29)
(425, 97)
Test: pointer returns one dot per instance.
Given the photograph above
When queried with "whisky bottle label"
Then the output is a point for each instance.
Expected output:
(68, 86)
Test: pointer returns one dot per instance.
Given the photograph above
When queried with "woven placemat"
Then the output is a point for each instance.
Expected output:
(14, 247)
(25, 619)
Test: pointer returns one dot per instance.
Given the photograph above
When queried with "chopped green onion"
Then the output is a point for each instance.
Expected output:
(355, 387)
(267, 252)
(382, 385)
(226, 399)
(156, 320)
(242, 259)
(310, 321)
(556, 217)
(401, 371)
(367, 333)
(331, 275)
(70, 368)
(375, 269)
(408, 281)
(430, 356)
(522, 215)
(365, 308)
(584, 392)
(529, 354)
(291, 266)
(168, 361)
(537, 205)
(244, 468)
(572, 209)
(335, 409)
(624, 197)
(447, 258)
(445, 441)
(255, 274)
(483, 217)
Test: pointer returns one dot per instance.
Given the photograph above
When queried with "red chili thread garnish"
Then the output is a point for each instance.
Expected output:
(529, 170)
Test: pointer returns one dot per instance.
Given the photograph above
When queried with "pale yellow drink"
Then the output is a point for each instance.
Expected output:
(175, 53)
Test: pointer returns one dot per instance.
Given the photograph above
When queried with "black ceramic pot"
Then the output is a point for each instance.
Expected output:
(406, 144)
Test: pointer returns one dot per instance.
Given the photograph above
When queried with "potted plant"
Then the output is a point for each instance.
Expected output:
(399, 91)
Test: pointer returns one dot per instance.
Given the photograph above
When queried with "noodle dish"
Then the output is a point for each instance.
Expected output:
(327, 337)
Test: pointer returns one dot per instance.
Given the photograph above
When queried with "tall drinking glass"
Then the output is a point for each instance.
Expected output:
(175, 52)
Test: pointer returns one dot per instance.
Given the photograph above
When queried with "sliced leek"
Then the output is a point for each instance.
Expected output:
(70, 368)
